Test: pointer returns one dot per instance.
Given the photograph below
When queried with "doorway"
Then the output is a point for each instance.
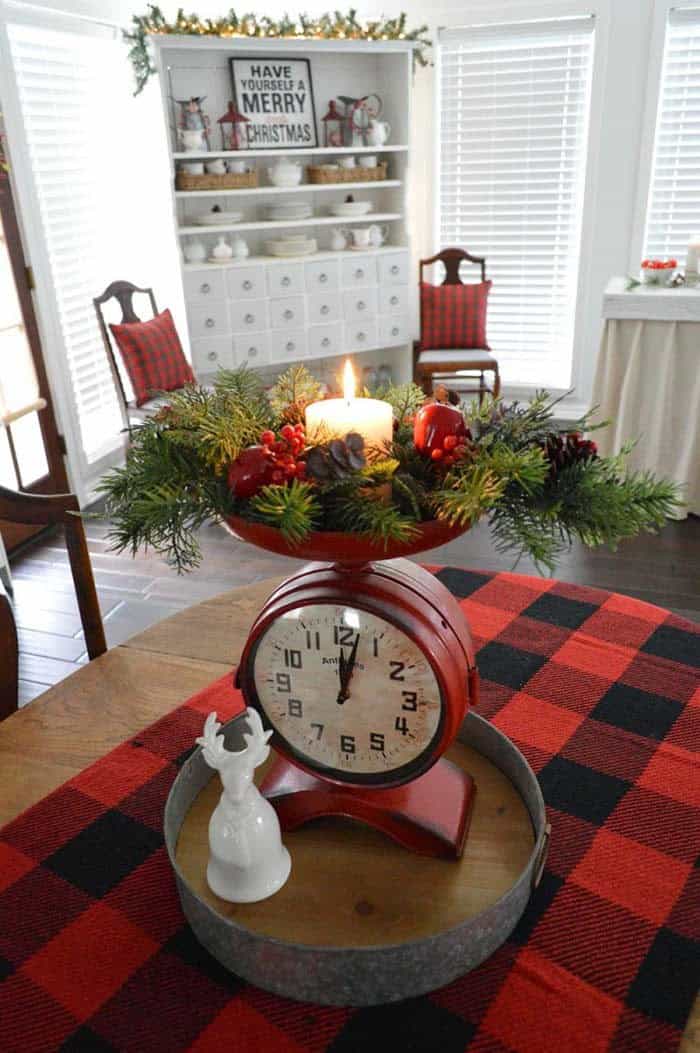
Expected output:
(31, 448)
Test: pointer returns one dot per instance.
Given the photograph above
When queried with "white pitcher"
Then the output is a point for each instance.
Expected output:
(377, 132)
(338, 239)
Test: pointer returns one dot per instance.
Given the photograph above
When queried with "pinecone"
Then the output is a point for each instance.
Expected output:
(336, 459)
(564, 450)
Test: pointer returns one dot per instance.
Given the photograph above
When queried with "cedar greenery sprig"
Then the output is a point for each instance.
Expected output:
(330, 26)
(294, 509)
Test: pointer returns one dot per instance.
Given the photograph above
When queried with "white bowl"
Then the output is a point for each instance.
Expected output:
(351, 208)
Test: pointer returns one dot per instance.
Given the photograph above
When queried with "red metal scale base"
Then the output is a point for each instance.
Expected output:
(429, 815)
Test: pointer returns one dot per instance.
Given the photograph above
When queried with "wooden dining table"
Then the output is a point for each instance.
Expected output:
(126, 689)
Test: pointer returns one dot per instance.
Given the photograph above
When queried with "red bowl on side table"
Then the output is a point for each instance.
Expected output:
(340, 547)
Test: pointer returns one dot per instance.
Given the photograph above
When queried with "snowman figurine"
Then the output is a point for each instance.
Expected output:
(247, 860)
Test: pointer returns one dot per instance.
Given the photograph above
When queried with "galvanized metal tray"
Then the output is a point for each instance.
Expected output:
(333, 969)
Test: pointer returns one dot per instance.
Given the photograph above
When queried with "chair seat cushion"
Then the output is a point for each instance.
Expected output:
(457, 358)
(153, 356)
(453, 316)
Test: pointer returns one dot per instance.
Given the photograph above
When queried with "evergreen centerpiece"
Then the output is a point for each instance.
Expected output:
(237, 453)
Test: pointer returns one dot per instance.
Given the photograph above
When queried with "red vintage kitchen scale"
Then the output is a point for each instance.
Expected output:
(362, 664)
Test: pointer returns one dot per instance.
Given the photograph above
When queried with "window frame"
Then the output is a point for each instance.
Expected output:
(586, 328)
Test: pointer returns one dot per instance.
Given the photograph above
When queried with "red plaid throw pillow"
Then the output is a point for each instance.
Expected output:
(454, 316)
(153, 356)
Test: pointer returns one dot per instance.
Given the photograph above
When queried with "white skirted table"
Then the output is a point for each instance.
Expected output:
(647, 381)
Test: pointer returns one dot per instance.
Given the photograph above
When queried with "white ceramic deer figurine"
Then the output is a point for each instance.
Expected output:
(247, 860)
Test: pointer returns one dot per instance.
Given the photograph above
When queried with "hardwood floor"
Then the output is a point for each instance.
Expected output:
(134, 593)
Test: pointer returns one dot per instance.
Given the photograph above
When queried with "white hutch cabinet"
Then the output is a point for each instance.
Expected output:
(266, 311)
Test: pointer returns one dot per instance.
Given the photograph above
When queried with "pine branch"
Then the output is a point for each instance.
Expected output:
(471, 493)
(404, 399)
(294, 388)
(364, 514)
(294, 509)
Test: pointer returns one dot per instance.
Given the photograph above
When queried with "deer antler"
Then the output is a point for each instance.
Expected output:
(215, 753)
(257, 738)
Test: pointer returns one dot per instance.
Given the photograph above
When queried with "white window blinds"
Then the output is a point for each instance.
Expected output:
(514, 103)
(68, 88)
(673, 210)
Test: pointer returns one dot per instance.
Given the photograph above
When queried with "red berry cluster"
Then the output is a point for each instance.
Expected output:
(283, 453)
(659, 265)
(454, 448)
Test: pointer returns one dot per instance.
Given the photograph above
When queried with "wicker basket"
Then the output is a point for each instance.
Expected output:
(319, 174)
(209, 181)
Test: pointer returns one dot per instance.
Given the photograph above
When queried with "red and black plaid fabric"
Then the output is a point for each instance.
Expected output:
(153, 356)
(453, 316)
(602, 694)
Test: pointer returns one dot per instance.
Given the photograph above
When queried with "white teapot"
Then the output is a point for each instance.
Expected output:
(222, 250)
(284, 173)
(377, 132)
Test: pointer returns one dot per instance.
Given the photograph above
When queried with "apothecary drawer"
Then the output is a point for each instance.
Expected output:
(359, 304)
(248, 316)
(321, 275)
(209, 355)
(360, 335)
(359, 270)
(283, 278)
(246, 283)
(325, 339)
(289, 311)
(251, 349)
(210, 319)
(324, 307)
(393, 299)
(203, 286)
(290, 343)
(393, 268)
(392, 331)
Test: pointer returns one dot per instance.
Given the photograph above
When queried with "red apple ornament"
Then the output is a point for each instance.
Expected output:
(252, 469)
(436, 422)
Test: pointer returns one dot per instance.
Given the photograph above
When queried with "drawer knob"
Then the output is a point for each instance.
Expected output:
(210, 323)
(290, 345)
(361, 305)
(394, 300)
(395, 268)
(252, 352)
(325, 309)
(286, 280)
(249, 319)
(289, 313)
(323, 278)
(326, 341)
(359, 272)
(212, 356)
(360, 336)
(205, 287)
(247, 285)
(395, 330)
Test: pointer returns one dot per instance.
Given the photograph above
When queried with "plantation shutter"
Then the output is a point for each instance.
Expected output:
(514, 103)
(673, 210)
(69, 86)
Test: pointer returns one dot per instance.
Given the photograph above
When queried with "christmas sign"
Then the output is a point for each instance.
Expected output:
(276, 95)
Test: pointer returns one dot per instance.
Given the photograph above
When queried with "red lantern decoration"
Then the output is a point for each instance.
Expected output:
(232, 132)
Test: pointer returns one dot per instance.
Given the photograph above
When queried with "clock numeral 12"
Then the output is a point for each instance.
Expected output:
(292, 658)
(343, 635)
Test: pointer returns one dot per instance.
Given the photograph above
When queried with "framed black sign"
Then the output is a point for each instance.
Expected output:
(277, 97)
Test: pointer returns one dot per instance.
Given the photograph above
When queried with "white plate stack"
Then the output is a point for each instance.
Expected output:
(292, 245)
(290, 211)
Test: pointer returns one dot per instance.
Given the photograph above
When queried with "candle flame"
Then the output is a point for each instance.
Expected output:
(348, 382)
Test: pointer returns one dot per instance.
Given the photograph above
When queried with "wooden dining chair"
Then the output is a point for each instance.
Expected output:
(123, 293)
(63, 510)
(466, 366)
(9, 650)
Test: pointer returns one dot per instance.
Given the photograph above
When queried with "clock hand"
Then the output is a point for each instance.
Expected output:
(341, 673)
(346, 674)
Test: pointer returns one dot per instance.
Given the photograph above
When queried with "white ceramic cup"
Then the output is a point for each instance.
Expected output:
(217, 167)
(360, 236)
(193, 167)
(239, 167)
(347, 162)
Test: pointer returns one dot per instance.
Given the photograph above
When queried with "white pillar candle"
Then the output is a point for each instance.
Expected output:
(373, 419)
(693, 258)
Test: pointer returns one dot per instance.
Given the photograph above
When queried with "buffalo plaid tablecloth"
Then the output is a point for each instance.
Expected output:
(600, 692)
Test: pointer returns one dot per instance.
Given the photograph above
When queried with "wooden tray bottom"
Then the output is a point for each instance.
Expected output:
(352, 887)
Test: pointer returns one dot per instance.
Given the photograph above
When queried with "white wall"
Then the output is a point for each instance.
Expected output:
(617, 181)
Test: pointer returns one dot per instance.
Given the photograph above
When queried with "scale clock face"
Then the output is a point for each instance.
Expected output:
(348, 692)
